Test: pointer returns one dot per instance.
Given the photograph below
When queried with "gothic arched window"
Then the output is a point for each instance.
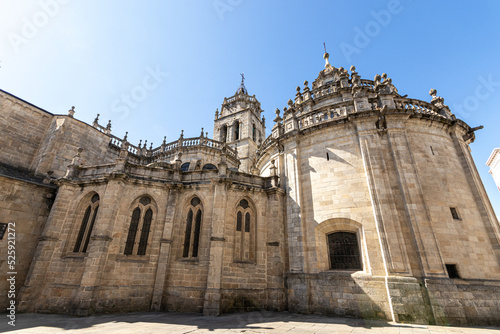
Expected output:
(193, 228)
(244, 241)
(344, 252)
(254, 133)
(88, 221)
(139, 228)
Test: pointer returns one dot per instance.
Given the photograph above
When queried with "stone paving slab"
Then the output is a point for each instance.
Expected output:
(254, 322)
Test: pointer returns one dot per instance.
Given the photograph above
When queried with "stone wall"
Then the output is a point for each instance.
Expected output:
(465, 302)
(23, 130)
(443, 176)
(62, 139)
(26, 204)
(104, 279)
(340, 294)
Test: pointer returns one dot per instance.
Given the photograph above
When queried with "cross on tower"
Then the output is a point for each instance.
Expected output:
(242, 78)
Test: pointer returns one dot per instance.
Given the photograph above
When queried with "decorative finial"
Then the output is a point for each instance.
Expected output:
(145, 144)
(96, 118)
(217, 113)
(242, 89)
(125, 138)
(140, 142)
(326, 56)
(201, 132)
(71, 112)
(151, 146)
(164, 140)
(277, 112)
(109, 125)
(182, 134)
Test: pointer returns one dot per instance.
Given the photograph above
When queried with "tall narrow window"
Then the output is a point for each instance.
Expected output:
(452, 271)
(236, 130)
(223, 133)
(344, 251)
(254, 133)
(244, 241)
(143, 241)
(193, 229)
(140, 225)
(88, 221)
(454, 213)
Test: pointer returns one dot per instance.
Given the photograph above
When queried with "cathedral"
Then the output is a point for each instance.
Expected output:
(361, 202)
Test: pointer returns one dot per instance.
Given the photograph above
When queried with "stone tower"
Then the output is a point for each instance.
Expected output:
(239, 124)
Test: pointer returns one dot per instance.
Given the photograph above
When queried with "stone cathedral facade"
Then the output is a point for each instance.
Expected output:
(362, 202)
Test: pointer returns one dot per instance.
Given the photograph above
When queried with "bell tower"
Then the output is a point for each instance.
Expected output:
(239, 124)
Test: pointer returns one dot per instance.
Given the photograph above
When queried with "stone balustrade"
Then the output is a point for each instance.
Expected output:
(324, 115)
(418, 106)
(146, 156)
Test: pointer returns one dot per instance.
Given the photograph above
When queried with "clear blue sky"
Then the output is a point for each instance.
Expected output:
(99, 55)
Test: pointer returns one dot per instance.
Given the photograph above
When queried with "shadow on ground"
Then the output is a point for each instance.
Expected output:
(145, 322)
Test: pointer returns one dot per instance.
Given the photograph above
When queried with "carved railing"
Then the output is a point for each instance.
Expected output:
(367, 83)
(241, 98)
(268, 142)
(144, 155)
(342, 109)
(324, 90)
(338, 110)
(418, 106)
(118, 142)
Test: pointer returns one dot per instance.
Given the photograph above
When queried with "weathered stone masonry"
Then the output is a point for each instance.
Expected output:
(361, 202)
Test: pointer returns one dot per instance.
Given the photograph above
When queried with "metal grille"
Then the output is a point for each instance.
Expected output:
(344, 251)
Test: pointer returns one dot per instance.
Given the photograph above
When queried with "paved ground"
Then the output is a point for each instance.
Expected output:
(254, 322)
